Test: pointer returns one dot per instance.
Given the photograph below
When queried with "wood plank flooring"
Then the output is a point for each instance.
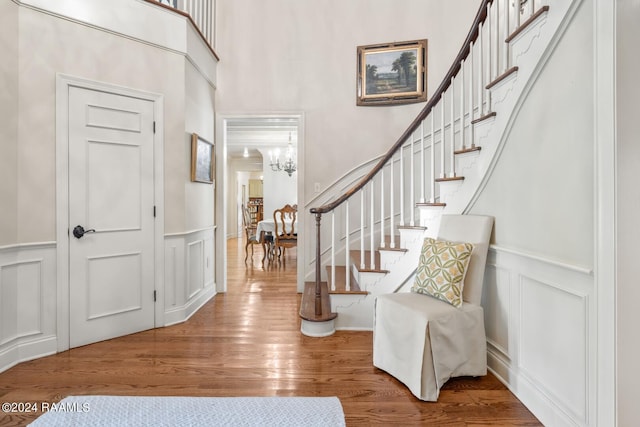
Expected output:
(247, 342)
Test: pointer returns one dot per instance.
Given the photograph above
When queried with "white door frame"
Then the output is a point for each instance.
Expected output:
(63, 84)
(222, 198)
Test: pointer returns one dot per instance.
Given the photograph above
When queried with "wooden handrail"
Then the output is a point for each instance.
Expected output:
(481, 16)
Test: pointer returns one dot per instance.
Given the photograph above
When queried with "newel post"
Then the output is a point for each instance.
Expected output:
(318, 299)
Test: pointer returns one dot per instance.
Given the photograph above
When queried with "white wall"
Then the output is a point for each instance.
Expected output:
(539, 298)
(541, 191)
(8, 123)
(628, 210)
(49, 45)
(278, 188)
(289, 55)
(199, 118)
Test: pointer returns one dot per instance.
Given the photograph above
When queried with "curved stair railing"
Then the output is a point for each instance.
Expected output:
(410, 175)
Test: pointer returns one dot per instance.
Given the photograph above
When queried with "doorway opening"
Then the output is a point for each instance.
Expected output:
(253, 180)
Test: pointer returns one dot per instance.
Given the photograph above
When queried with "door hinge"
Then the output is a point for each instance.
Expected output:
(155, 296)
(154, 211)
(154, 127)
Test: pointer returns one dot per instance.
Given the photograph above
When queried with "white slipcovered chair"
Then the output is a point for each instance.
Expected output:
(424, 341)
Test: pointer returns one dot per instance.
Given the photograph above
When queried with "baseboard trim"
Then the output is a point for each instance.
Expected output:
(183, 313)
(536, 400)
(25, 350)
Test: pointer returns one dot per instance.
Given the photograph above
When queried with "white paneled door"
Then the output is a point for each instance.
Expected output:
(111, 215)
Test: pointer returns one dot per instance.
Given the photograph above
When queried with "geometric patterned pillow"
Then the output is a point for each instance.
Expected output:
(441, 270)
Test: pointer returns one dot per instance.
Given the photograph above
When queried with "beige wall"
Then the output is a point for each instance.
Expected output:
(627, 210)
(300, 56)
(49, 45)
(199, 118)
(541, 191)
(8, 122)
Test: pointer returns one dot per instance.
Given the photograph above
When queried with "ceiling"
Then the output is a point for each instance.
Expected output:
(259, 132)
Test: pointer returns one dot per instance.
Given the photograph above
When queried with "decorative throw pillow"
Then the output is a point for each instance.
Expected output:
(441, 270)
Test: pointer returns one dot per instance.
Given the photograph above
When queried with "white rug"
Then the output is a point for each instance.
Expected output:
(102, 411)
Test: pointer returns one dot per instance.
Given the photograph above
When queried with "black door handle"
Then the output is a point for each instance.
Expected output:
(79, 231)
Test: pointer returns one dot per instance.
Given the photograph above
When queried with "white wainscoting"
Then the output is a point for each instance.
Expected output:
(27, 302)
(540, 324)
(189, 274)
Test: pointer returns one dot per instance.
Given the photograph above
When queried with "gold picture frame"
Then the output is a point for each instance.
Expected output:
(392, 73)
(202, 160)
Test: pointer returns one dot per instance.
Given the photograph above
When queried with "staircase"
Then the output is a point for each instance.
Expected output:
(369, 238)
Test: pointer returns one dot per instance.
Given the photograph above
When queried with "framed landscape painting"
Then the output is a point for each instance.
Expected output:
(202, 160)
(394, 73)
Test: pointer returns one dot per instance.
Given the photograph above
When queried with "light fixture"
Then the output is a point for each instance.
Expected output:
(245, 153)
(288, 165)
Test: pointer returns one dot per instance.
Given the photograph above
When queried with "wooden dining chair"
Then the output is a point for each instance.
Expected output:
(250, 233)
(285, 235)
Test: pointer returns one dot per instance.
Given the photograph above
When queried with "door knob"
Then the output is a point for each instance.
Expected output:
(79, 231)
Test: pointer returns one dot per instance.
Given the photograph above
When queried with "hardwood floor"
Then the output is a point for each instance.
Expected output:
(247, 342)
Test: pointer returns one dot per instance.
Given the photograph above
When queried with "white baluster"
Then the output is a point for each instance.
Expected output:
(333, 250)
(347, 249)
(401, 186)
(382, 239)
(412, 196)
(362, 265)
(201, 13)
(489, 61)
(392, 220)
(489, 49)
(442, 138)
(462, 93)
(471, 92)
(480, 71)
(372, 246)
(432, 181)
(506, 57)
(498, 51)
(452, 162)
(422, 176)
(516, 12)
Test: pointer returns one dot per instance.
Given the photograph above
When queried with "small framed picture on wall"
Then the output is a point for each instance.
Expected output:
(202, 160)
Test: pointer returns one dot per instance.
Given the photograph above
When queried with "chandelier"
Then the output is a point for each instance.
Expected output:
(288, 164)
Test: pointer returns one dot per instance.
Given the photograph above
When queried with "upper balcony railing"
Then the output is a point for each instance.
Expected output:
(201, 13)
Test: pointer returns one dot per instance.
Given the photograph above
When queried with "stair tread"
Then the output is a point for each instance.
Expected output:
(468, 150)
(528, 22)
(307, 303)
(501, 77)
(436, 204)
(411, 227)
(341, 282)
(396, 249)
(387, 244)
(483, 118)
(355, 259)
(450, 178)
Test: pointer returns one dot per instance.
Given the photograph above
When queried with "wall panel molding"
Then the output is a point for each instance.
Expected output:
(27, 302)
(189, 274)
(539, 317)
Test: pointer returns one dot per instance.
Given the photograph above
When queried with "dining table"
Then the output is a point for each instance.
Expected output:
(264, 229)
